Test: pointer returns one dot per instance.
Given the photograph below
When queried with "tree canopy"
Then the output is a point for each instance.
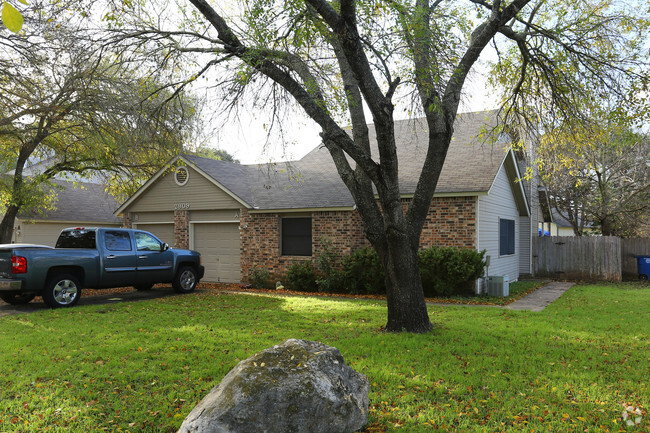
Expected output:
(69, 104)
(11, 17)
(598, 173)
(218, 154)
(348, 63)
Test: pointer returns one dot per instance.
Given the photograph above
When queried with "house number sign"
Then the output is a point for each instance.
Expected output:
(181, 206)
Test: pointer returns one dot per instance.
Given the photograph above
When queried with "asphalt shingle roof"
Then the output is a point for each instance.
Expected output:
(79, 201)
(232, 176)
(313, 182)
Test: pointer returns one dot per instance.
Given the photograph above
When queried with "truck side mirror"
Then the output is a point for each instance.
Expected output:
(165, 246)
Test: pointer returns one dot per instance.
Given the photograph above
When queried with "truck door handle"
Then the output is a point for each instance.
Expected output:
(142, 257)
(110, 257)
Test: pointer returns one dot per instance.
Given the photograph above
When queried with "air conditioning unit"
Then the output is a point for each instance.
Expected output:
(498, 286)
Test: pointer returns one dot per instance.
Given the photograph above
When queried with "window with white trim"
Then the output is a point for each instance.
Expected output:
(506, 237)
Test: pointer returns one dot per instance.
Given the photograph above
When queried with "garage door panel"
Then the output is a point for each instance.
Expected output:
(219, 248)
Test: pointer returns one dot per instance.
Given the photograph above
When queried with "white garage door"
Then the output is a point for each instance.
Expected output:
(164, 232)
(219, 248)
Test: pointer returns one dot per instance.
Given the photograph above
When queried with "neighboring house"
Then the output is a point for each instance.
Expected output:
(77, 204)
(546, 225)
(562, 227)
(245, 216)
(34, 167)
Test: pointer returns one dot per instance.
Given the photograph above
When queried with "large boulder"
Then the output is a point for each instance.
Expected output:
(297, 386)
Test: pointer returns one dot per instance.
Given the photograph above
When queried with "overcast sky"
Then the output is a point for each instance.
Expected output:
(246, 139)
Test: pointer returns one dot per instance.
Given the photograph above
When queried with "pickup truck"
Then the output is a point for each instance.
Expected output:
(94, 258)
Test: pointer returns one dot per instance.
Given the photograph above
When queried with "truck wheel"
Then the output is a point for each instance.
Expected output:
(185, 280)
(63, 290)
(17, 298)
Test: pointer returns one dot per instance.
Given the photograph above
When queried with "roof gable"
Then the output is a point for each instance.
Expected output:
(214, 174)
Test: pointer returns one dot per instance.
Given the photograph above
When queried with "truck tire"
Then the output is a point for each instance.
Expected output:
(185, 280)
(17, 298)
(62, 290)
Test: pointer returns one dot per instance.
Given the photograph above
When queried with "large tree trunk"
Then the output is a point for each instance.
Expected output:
(605, 226)
(7, 224)
(407, 309)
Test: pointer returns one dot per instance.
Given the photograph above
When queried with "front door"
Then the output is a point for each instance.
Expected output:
(155, 262)
(119, 259)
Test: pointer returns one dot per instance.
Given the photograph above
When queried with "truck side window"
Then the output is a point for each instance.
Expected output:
(146, 242)
(117, 241)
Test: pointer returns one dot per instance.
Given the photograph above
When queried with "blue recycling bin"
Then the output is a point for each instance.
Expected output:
(643, 265)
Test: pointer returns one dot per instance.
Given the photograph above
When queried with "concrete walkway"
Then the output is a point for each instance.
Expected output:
(542, 297)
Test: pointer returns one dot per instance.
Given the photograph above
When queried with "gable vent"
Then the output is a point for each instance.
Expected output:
(181, 176)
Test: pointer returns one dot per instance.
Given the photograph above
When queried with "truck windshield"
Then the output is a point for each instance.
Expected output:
(76, 239)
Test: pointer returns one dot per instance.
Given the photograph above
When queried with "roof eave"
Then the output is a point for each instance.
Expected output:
(66, 221)
(514, 177)
(303, 209)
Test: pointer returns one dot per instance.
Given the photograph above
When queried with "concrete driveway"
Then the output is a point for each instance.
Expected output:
(111, 296)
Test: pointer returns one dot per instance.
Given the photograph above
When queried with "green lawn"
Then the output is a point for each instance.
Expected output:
(141, 367)
(518, 290)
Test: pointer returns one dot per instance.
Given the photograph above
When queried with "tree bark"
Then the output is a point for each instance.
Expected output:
(7, 224)
(9, 218)
(606, 226)
(407, 309)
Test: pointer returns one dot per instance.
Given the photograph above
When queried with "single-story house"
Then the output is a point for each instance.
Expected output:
(77, 204)
(245, 216)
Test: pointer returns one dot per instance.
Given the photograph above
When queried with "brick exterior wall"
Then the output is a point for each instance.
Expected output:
(451, 222)
(342, 228)
(259, 242)
(126, 220)
(181, 229)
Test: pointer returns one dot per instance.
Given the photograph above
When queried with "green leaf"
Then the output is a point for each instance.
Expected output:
(12, 18)
(23, 2)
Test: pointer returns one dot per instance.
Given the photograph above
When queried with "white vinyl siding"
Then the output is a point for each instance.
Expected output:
(525, 245)
(499, 204)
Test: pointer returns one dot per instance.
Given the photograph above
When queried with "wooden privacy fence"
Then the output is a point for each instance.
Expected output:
(589, 257)
(630, 248)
